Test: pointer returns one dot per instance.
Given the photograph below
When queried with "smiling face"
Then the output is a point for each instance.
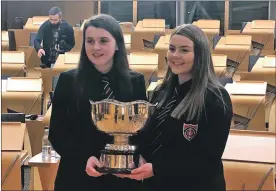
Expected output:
(181, 56)
(100, 47)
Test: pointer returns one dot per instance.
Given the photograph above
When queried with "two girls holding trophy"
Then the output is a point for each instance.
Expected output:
(183, 141)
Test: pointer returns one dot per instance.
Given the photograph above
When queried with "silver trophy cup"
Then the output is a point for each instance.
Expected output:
(121, 120)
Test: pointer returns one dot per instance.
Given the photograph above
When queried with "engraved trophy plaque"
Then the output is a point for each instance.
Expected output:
(120, 120)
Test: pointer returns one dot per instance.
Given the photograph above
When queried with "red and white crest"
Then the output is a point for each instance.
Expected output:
(189, 131)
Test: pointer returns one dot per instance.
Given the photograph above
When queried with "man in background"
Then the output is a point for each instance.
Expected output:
(57, 36)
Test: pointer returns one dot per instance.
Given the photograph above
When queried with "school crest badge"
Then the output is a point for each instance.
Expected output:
(189, 131)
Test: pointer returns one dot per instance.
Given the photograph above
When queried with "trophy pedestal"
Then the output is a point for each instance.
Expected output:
(118, 159)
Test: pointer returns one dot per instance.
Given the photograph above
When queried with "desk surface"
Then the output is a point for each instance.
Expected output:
(249, 30)
(223, 45)
(250, 148)
(4, 36)
(37, 161)
(258, 67)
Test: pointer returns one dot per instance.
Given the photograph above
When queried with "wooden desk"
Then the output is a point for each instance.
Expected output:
(13, 157)
(210, 27)
(31, 61)
(13, 63)
(161, 48)
(146, 63)
(248, 156)
(237, 48)
(263, 70)
(248, 175)
(43, 172)
(4, 40)
(47, 75)
(263, 32)
(11, 170)
(220, 64)
(22, 37)
(127, 39)
(78, 33)
(22, 95)
(146, 29)
(249, 147)
(127, 27)
(4, 36)
(35, 22)
(36, 131)
(15, 137)
(61, 65)
(248, 99)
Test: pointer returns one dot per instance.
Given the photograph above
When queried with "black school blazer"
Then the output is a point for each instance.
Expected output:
(74, 136)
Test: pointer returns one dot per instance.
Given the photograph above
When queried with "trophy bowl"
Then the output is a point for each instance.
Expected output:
(121, 120)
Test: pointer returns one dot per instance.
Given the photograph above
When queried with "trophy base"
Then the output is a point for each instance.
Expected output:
(114, 170)
(118, 161)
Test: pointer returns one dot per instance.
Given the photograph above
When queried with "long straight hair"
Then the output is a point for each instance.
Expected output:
(120, 62)
(203, 77)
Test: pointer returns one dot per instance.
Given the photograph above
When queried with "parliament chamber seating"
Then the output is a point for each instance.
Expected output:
(248, 157)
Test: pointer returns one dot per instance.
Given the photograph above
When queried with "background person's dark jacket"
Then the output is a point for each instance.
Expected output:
(44, 35)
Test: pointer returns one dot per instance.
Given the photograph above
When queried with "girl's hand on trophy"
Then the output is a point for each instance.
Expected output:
(90, 167)
(143, 172)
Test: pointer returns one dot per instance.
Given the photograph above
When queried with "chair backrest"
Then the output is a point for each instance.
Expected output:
(32, 38)
(17, 23)
(13, 117)
(12, 41)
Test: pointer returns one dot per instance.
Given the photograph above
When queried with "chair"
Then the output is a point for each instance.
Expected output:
(12, 41)
(17, 23)
(32, 38)
(15, 117)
